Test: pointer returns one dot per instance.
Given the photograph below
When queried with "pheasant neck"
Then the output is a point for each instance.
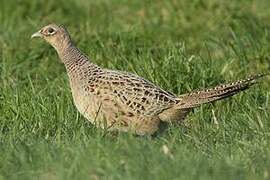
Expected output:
(78, 66)
(70, 53)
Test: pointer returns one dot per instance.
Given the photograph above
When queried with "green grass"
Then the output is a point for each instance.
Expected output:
(179, 45)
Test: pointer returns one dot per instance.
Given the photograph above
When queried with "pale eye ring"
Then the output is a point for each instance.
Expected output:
(51, 30)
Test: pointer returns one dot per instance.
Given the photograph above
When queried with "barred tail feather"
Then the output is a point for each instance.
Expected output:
(197, 98)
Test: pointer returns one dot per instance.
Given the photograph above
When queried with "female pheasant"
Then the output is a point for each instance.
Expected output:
(121, 101)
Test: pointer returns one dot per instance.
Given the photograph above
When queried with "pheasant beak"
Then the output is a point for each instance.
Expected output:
(36, 34)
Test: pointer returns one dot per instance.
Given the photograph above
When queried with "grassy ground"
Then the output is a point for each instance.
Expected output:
(179, 45)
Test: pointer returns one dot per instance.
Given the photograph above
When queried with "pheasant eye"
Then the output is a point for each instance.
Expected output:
(50, 30)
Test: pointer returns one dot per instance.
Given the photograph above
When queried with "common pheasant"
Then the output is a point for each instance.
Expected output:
(122, 101)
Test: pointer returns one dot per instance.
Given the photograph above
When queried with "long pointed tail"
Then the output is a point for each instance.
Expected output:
(196, 98)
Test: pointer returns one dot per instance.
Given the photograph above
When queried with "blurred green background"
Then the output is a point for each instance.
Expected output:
(180, 45)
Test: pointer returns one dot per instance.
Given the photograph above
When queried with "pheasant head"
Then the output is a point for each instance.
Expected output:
(55, 35)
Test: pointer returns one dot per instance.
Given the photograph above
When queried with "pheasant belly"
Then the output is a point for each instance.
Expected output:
(108, 114)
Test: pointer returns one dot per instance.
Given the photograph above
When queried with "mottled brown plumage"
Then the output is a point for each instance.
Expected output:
(122, 101)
